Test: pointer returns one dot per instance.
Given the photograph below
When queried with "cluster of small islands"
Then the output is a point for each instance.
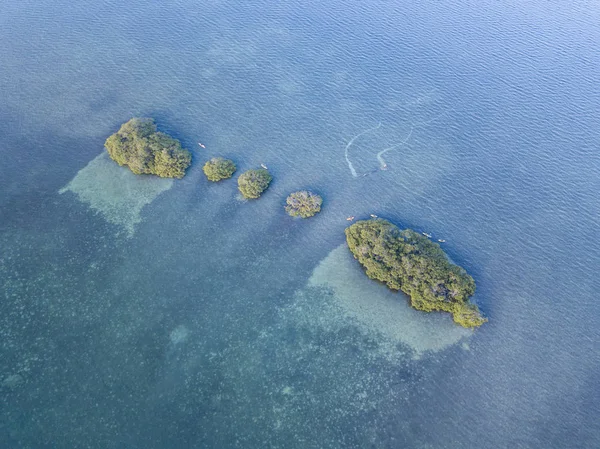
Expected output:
(402, 260)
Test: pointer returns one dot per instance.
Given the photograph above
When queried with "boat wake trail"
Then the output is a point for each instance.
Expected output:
(382, 164)
(350, 166)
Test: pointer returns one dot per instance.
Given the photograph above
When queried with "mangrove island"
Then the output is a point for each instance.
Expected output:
(218, 169)
(144, 150)
(406, 261)
(303, 204)
(253, 183)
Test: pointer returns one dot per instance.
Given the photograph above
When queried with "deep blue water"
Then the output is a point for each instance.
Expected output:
(199, 330)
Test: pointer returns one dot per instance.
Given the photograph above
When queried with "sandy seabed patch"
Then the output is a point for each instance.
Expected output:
(115, 192)
(377, 310)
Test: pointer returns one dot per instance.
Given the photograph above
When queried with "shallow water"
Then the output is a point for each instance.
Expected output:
(190, 318)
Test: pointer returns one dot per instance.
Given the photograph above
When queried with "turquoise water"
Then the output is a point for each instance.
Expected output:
(179, 316)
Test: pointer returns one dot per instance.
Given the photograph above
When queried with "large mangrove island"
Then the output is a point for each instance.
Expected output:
(407, 261)
(143, 149)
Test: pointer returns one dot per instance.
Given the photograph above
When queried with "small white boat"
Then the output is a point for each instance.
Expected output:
(350, 218)
(441, 240)
(373, 216)
(264, 166)
(426, 235)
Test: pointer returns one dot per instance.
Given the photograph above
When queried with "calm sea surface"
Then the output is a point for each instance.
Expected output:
(135, 314)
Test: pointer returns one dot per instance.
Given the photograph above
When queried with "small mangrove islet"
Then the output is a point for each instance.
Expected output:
(253, 183)
(218, 169)
(407, 261)
(303, 204)
(139, 146)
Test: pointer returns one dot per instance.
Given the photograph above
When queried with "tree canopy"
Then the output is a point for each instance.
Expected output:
(253, 183)
(407, 261)
(144, 150)
(303, 204)
(218, 168)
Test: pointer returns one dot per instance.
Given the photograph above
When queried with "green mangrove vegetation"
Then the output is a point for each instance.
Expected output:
(406, 261)
(403, 260)
(144, 150)
(218, 168)
(253, 183)
(303, 204)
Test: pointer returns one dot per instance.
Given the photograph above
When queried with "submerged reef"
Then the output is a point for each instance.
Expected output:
(218, 168)
(253, 183)
(303, 204)
(353, 300)
(406, 261)
(144, 150)
(115, 192)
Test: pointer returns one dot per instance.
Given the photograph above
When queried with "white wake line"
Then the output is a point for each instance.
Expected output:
(382, 163)
(350, 166)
